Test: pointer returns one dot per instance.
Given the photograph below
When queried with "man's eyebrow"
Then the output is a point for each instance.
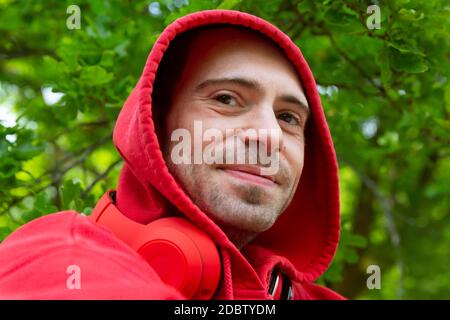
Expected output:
(250, 84)
(291, 99)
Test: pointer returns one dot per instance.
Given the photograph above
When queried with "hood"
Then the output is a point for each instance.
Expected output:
(307, 232)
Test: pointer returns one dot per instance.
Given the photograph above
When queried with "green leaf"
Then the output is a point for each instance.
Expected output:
(43, 204)
(108, 58)
(229, 4)
(334, 274)
(95, 75)
(79, 204)
(410, 14)
(407, 62)
(8, 167)
(4, 232)
(350, 256)
(70, 191)
(27, 151)
(87, 211)
(357, 241)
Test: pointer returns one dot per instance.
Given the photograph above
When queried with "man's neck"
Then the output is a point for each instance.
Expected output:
(238, 237)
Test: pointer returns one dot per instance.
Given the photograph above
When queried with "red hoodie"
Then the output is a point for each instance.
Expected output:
(302, 242)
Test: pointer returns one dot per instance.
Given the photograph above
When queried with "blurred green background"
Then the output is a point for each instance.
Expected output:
(386, 95)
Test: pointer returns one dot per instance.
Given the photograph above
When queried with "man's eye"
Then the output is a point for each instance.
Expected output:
(289, 118)
(226, 99)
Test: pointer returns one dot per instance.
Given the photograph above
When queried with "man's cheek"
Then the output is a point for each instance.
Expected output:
(274, 164)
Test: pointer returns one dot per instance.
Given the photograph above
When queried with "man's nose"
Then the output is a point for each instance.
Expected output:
(263, 128)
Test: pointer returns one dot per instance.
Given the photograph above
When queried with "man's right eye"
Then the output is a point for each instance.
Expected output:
(226, 99)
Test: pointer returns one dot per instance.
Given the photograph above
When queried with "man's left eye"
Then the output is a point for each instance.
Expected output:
(289, 118)
(226, 99)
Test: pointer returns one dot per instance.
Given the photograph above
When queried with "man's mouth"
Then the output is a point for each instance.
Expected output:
(250, 174)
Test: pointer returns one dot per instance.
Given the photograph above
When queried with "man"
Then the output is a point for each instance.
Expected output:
(274, 224)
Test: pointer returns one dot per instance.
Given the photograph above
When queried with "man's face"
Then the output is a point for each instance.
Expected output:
(234, 80)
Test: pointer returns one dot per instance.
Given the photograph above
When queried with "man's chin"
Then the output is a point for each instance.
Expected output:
(247, 192)
(242, 225)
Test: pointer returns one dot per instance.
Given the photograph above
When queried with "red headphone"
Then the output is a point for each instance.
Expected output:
(184, 256)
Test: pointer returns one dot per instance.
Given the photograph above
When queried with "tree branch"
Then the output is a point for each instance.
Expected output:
(100, 177)
(388, 212)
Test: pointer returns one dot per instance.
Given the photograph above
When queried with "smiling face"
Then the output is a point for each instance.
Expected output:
(238, 80)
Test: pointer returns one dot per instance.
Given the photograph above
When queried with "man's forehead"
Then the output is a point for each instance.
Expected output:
(220, 35)
(226, 42)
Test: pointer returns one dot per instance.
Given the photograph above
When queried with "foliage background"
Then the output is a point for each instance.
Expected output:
(385, 92)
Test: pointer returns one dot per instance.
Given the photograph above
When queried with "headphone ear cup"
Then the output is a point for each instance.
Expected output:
(183, 256)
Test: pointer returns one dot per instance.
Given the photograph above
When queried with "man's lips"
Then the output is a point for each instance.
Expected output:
(250, 174)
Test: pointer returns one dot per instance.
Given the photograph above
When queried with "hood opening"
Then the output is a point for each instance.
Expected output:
(307, 232)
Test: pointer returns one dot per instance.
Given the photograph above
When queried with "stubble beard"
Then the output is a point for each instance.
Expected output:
(245, 209)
